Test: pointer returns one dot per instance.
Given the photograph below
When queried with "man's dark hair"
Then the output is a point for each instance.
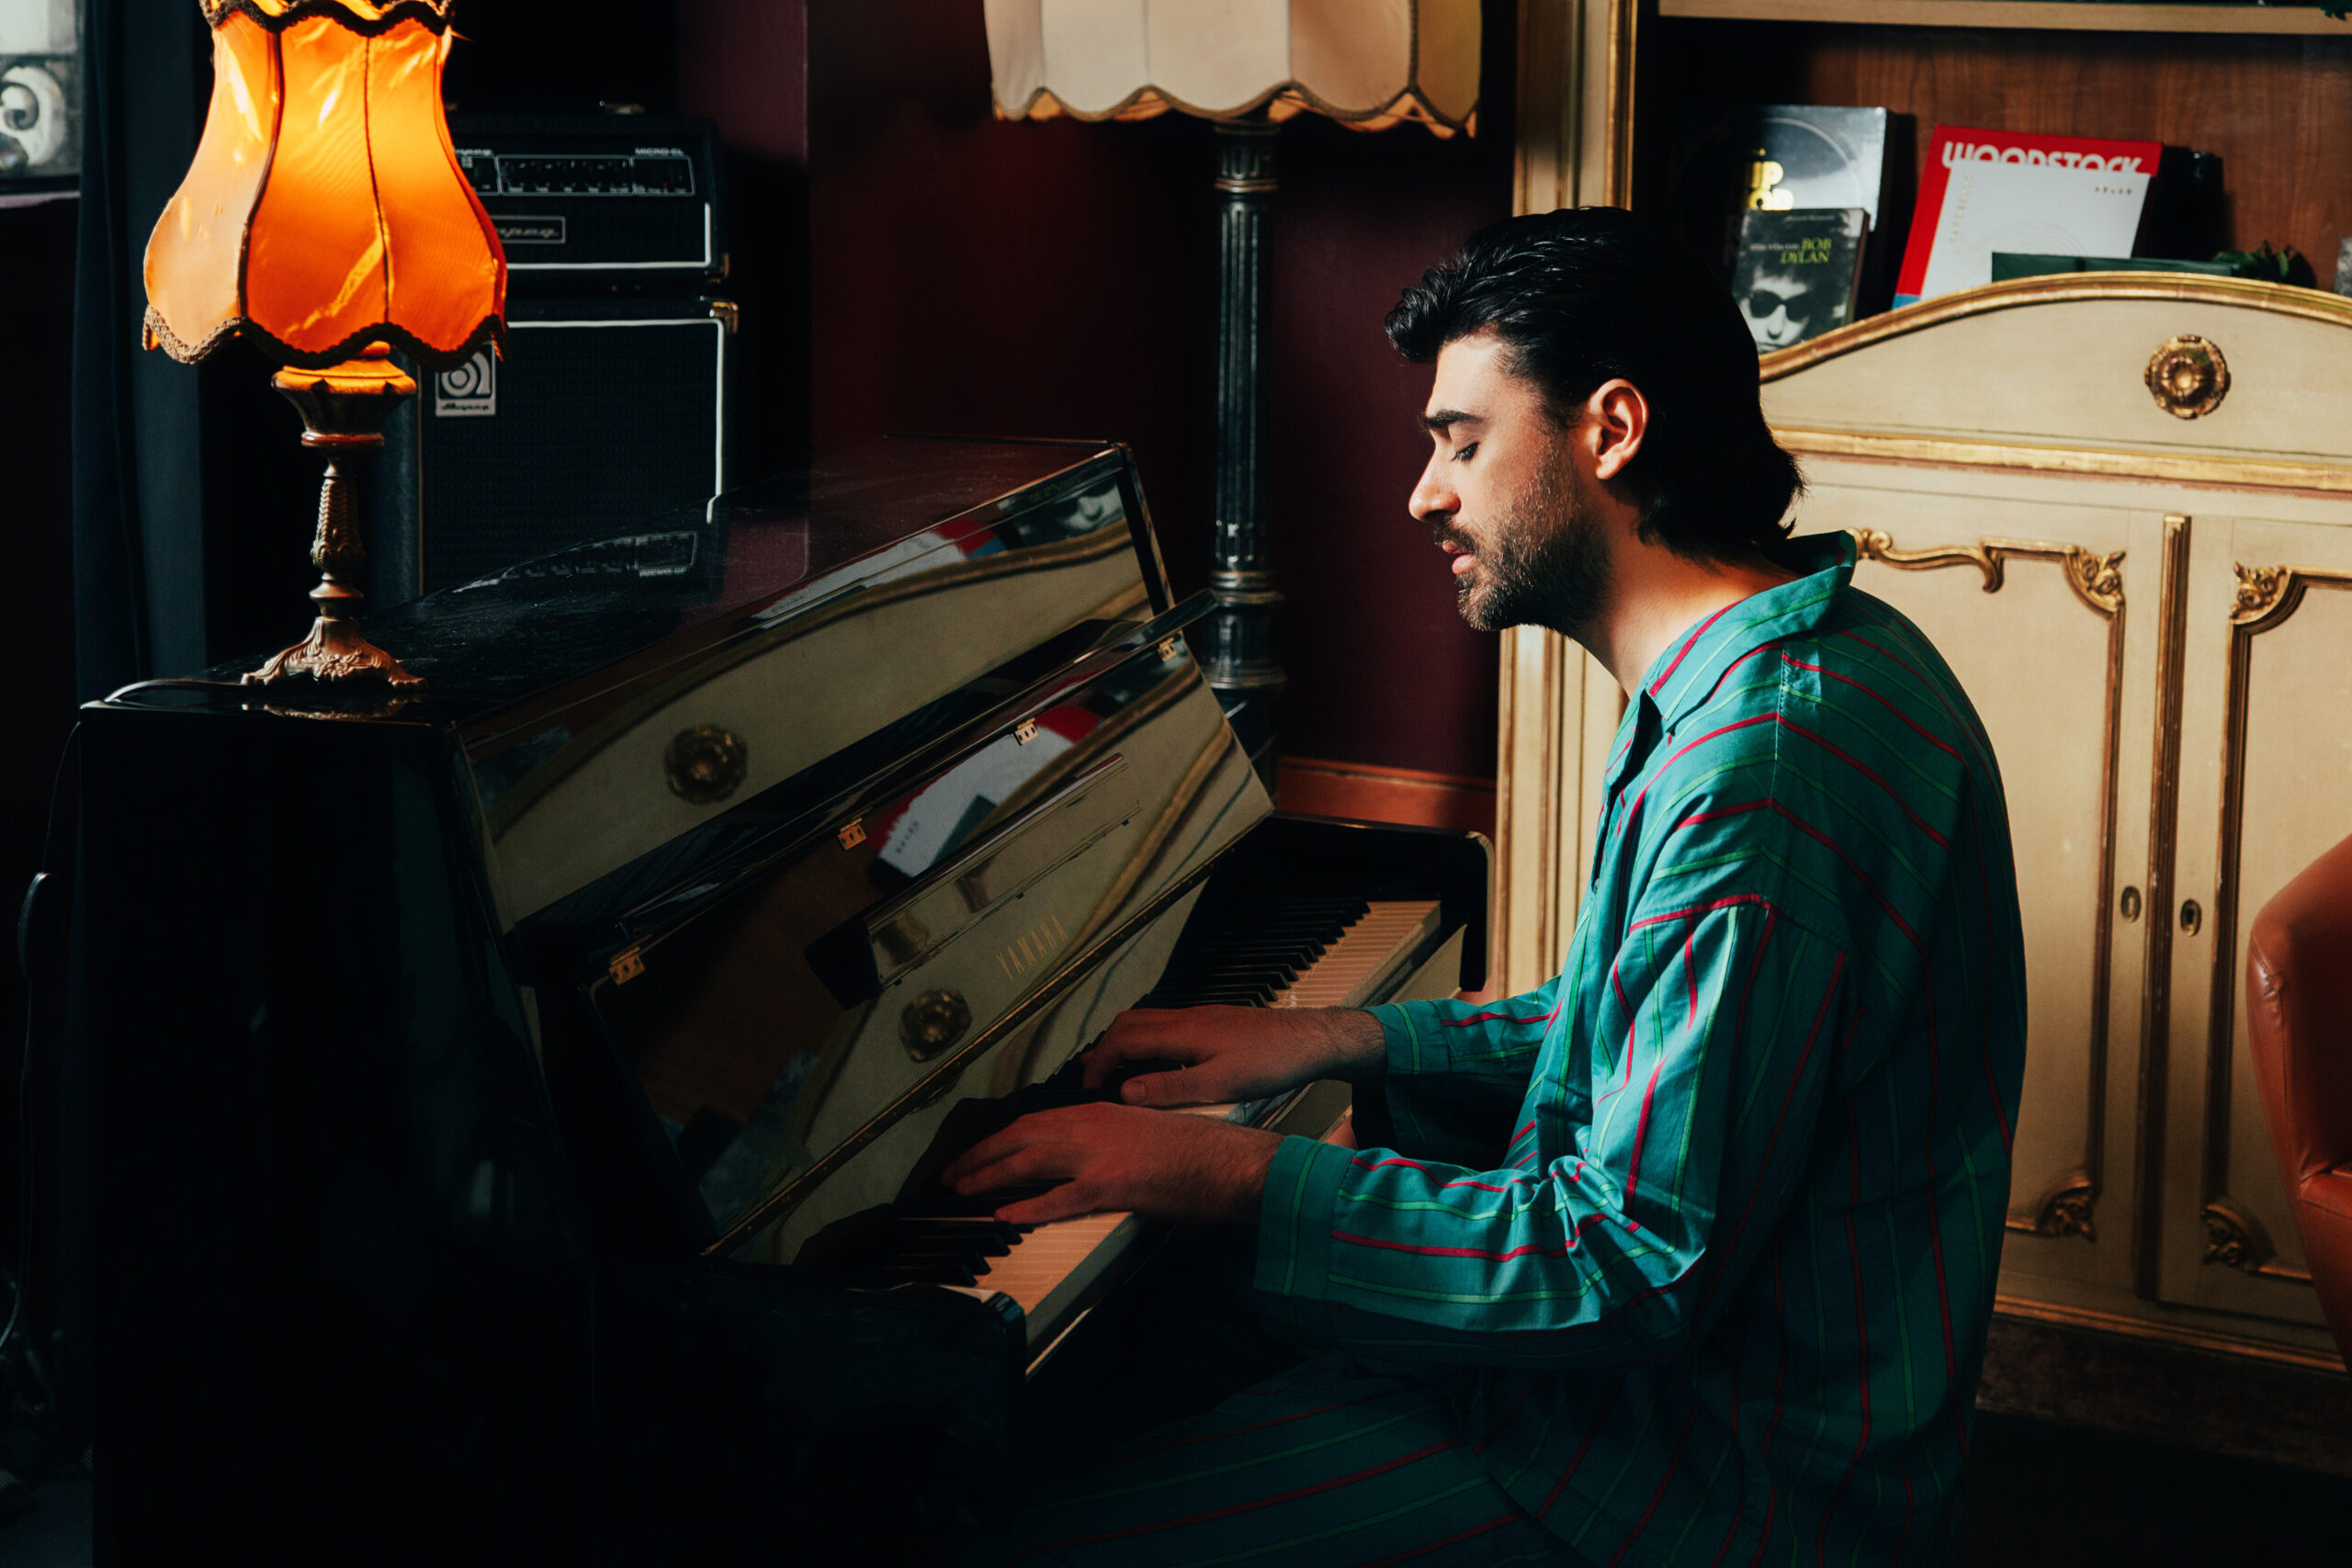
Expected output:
(1592, 294)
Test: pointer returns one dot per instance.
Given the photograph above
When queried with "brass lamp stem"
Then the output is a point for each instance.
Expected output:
(344, 409)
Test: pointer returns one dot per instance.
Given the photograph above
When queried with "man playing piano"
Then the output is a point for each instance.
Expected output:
(1688, 1256)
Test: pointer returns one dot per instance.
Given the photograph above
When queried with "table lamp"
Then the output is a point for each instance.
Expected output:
(1247, 66)
(324, 223)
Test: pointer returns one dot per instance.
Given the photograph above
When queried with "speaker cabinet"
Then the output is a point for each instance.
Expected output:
(606, 416)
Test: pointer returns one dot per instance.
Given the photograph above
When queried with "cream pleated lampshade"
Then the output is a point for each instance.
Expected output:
(1366, 63)
(325, 211)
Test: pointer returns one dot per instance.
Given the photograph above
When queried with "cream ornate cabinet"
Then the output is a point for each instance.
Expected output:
(2124, 513)
(2123, 509)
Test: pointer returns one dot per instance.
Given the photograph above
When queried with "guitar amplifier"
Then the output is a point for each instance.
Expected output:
(598, 201)
(607, 419)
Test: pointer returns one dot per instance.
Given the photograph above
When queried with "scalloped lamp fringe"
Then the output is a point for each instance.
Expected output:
(358, 15)
(489, 333)
(1280, 102)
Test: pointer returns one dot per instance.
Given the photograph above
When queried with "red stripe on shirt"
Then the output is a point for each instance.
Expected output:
(1687, 644)
(1877, 696)
(1496, 1017)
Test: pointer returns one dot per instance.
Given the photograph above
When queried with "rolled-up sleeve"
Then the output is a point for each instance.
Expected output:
(1622, 1229)
(1456, 1072)
(1500, 1039)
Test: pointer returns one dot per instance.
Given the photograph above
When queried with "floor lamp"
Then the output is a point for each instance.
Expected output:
(1247, 66)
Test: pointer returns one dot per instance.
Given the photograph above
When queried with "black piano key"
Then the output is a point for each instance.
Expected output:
(1281, 938)
(1249, 961)
(979, 1231)
(916, 1252)
(1261, 993)
(890, 1249)
(979, 1204)
(918, 1273)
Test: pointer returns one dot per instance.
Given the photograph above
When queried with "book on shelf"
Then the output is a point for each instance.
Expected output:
(2007, 264)
(1798, 272)
(1777, 158)
(2002, 190)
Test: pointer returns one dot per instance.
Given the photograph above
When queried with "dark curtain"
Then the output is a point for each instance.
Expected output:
(138, 515)
(139, 580)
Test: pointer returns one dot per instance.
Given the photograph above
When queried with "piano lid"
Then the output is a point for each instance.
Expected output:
(612, 697)
(636, 596)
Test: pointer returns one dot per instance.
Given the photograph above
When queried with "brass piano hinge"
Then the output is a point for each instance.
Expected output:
(628, 966)
(1026, 733)
(852, 835)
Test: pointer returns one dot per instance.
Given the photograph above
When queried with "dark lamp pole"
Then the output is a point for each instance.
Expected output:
(1241, 663)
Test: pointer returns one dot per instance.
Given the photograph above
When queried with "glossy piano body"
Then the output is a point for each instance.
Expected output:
(470, 1070)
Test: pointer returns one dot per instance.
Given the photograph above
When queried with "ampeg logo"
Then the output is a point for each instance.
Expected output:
(471, 391)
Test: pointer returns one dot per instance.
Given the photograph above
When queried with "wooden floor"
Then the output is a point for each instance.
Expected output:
(2040, 1492)
(2298, 1418)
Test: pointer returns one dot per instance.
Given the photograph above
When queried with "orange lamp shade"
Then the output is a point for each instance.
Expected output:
(326, 210)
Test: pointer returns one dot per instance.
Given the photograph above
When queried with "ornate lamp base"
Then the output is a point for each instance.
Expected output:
(344, 409)
(335, 650)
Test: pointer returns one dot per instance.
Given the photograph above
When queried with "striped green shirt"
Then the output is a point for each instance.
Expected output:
(1699, 1239)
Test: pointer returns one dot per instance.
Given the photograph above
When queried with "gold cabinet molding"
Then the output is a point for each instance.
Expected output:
(2096, 579)
(2065, 1206)
(2066, 1209)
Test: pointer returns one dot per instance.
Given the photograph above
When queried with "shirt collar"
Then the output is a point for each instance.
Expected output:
(1689, 667)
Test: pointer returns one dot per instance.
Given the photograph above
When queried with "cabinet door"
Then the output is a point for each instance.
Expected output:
(2043, 605)
(2265, 785)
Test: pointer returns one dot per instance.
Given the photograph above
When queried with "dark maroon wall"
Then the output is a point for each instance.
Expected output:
(1383, 671)
(971, 275)
(968, 275)
(745, 64)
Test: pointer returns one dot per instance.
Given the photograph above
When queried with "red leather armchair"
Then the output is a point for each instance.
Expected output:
(2299, 1003)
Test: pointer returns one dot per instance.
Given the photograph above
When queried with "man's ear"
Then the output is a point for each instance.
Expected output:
(1616, 418)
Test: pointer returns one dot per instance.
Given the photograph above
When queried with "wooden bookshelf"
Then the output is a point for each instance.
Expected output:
(2276, 107)
(2049, 15)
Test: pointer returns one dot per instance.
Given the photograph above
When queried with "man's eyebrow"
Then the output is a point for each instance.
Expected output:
(1443, 420)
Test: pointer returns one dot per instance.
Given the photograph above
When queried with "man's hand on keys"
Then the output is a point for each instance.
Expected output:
(1189, 1169)
(1209, 1055)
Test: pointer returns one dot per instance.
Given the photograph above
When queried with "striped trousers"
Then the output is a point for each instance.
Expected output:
(1332, 1462)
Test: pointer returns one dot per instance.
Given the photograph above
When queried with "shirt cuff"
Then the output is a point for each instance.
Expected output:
(1295, 1218)
(1415, 1046)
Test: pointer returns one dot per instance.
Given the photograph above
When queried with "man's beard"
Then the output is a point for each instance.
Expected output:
(1544, 564)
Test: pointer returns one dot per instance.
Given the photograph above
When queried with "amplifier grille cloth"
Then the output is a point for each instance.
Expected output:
(598, 427)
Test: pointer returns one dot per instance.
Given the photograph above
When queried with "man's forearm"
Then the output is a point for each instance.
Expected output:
(1358, 1047)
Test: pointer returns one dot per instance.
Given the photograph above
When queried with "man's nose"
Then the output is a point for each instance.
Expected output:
(1433, 497)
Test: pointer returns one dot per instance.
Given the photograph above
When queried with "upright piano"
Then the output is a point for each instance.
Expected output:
(517, 1101)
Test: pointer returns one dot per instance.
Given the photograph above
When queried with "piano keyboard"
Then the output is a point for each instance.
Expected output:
(1055, 1271)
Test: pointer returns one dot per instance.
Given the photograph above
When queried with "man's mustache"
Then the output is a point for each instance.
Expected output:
(1446, 534)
